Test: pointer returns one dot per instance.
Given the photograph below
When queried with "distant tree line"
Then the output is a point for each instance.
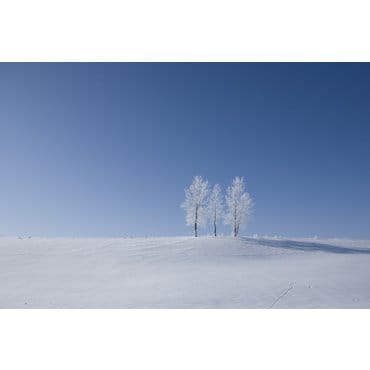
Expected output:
(204, 206)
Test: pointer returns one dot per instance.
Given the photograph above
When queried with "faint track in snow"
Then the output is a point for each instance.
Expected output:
(286, 291)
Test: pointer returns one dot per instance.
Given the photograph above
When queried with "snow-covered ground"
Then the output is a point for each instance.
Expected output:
(184, 272)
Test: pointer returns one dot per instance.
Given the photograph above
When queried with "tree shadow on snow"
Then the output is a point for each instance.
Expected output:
(306, 246)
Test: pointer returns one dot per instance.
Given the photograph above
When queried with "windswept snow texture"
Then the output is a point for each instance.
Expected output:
(184, 272)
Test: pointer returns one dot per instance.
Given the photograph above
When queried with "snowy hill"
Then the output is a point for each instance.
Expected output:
(184, 272)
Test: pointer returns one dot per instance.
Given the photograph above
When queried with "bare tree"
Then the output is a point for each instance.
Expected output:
(195, 204)
(239, 205)
(215, 207)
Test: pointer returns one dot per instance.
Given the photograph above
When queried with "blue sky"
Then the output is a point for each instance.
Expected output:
(107, 149)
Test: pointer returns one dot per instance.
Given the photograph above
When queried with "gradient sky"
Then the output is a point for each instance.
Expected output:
(107, 149)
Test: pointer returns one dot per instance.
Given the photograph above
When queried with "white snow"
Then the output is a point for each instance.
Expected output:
(184, 272)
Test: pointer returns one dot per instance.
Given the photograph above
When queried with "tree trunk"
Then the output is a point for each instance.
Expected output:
(214, 223)
(235, 230)
(196, 222)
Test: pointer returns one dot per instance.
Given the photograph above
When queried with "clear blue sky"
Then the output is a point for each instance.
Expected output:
(107, 149)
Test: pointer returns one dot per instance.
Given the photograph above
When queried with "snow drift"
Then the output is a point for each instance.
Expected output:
(184, 272)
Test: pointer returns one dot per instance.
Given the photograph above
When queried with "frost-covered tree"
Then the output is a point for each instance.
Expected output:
(215, 207)
(195, 204)
(239, 205)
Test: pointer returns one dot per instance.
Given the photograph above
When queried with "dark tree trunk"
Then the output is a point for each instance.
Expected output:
(214, 223)
(235, 229)
(196, 222)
